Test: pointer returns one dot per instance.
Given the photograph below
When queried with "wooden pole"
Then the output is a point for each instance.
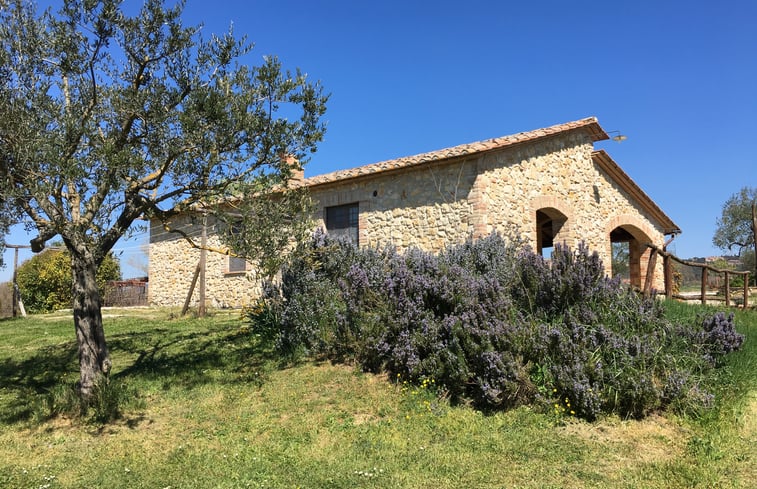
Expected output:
(667, 268)
(203, 259)
(727, 289)
(650, 273)
(191, 290)
(704, 285)
(667, 265)
(16, 295)
(746, 290)
(20, 302)
(14, 286)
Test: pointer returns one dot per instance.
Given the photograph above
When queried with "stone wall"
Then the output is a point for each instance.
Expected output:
(426, 207)
(432, 206)
(560, 173)
(173, 262)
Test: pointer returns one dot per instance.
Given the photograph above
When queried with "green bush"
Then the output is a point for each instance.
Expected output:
(45, 280)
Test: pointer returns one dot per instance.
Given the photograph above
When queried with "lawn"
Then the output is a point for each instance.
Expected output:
(210, 407)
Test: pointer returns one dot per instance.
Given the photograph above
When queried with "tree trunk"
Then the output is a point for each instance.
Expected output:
(94, 358)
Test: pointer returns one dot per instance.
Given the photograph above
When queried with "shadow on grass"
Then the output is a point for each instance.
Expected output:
(172, 357)
(191, 359)
(33, 376)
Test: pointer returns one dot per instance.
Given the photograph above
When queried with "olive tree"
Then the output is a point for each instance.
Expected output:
(108, 115)
(737, 225)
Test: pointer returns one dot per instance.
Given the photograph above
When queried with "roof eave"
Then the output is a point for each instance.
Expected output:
(589, 124)
(621, 177)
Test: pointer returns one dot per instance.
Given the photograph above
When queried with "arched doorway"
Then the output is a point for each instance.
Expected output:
(551, 229)
(628, 246)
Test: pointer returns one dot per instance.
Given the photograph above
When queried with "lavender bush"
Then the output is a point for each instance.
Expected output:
(493, 324)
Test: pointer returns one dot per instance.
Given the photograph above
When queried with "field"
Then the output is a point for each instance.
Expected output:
(207, 406)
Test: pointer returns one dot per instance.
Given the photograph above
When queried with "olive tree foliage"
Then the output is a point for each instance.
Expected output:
(107, 116)
(5, 223)
(266, 230)
(6, 212)
(737, 226)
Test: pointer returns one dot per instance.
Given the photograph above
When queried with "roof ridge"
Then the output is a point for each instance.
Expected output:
(590, 123)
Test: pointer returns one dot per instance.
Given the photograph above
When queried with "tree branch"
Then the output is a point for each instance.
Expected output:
(223, 251)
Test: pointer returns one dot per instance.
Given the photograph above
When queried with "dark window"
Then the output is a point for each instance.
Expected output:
(342, 220)
(237, 265)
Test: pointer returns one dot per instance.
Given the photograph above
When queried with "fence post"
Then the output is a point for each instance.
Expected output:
(727, 289)
(746, 290)
(704, 285)
(650, 272)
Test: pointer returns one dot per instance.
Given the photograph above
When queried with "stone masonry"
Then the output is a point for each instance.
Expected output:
(546, 185)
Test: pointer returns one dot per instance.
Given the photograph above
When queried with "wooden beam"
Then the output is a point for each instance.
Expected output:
(695, 264)
(650, 273)
(667, 266)
(746, 291)
(203, 260)
(191, 290)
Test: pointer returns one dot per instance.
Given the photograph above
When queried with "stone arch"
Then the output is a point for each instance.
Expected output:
(552, 223)
(629, 231)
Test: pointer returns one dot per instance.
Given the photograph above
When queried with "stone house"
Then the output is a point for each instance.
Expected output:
(547, 186)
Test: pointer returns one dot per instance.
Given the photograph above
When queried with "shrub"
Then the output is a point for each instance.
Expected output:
(45, 280)
(494, 324)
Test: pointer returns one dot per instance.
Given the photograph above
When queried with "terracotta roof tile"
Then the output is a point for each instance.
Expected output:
(589, 124)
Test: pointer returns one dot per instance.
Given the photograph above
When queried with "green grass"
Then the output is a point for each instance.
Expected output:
(214, 409)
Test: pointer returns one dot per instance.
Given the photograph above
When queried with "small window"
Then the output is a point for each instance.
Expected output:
(342, 220)
(237, 264)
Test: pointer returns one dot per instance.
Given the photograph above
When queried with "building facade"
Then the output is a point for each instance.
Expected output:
(547, 186)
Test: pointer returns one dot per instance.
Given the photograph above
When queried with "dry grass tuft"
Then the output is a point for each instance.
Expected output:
(653, 439)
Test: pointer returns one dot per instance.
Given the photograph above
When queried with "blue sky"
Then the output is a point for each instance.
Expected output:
(679, 78)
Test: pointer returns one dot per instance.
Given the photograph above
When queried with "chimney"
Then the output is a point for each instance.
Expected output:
(298, 173)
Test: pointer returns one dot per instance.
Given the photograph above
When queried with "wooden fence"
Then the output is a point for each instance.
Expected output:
(6, 300)
(126, 293)
(669, 258)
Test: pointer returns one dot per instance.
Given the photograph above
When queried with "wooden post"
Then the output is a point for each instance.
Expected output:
(667, 265)
(667, 268)
(14, 286)
(17, 304)
(746, 290)
(704, 285)
(203, 255)
(727, 289)
(650, 273)
(21, 304)
(191, 290)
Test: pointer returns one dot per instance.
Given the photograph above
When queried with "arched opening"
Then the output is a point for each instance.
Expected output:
(628, 249)
(551, 229)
